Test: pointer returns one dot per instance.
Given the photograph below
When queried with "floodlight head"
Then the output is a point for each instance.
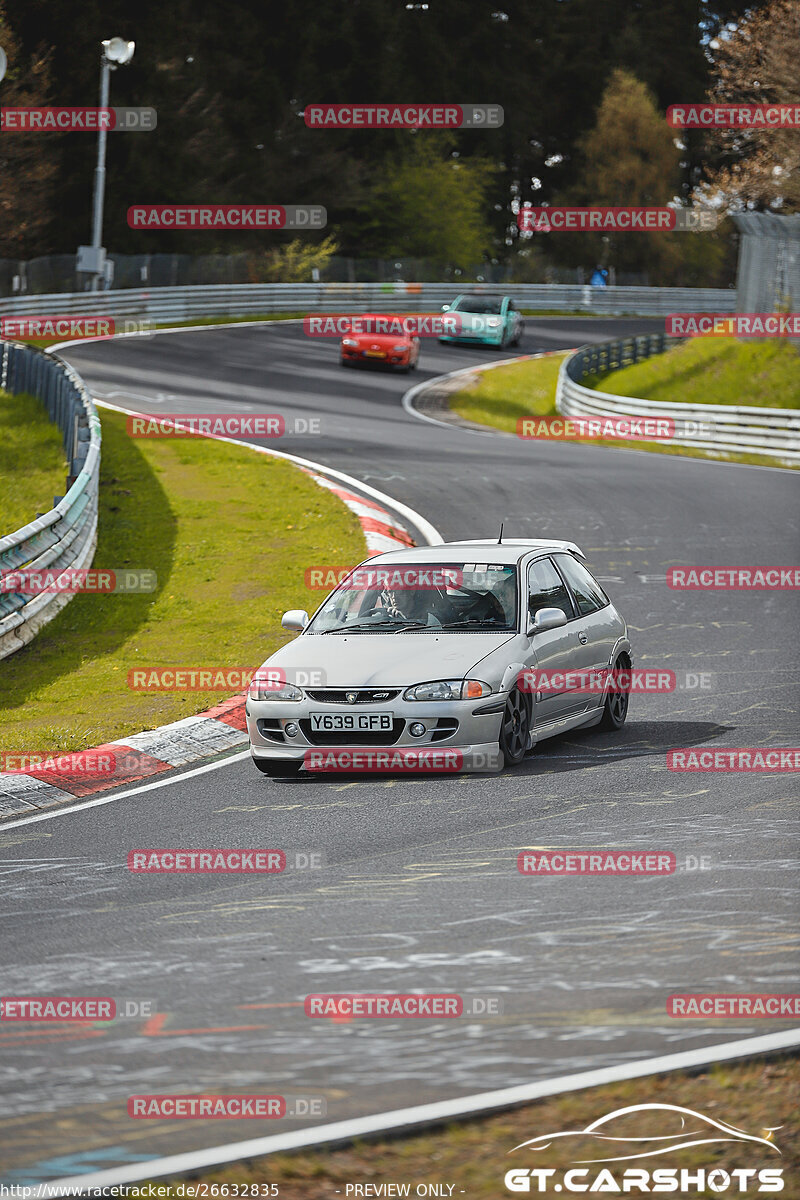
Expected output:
(117, 50)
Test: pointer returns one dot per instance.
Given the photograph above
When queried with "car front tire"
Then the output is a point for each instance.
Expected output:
(615, 705)
(515, 729)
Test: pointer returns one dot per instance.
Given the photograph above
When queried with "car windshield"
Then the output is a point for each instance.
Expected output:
(479, 304)
(422, 598)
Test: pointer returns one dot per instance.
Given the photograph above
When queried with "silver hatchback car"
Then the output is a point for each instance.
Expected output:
(463, 655)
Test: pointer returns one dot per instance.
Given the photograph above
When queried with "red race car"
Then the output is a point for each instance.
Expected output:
(398, 350)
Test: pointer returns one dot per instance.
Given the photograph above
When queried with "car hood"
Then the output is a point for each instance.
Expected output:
(386, 659)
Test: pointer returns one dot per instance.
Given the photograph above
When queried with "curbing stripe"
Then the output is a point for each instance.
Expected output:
(191, 739)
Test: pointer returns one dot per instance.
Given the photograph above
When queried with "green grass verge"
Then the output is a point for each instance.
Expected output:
(228, 532)
(504, 394)
(33, 466)
(474, 1155)
(764, 373)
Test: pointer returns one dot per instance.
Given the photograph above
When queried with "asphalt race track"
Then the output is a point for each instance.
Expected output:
(418, 888)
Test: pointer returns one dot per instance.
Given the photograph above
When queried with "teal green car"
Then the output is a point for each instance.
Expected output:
(484, 320)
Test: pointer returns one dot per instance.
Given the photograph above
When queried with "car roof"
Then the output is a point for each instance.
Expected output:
(507, 552)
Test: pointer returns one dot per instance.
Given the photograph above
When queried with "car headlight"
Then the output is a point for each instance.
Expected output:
(263, 689)
(448, 689)
(493, 322)
(349, 342)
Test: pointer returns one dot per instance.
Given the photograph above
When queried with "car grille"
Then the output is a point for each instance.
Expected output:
(341, 737)
(363, 696)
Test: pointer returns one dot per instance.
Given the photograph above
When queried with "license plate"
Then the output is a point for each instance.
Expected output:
(352, 722)
(374, 354)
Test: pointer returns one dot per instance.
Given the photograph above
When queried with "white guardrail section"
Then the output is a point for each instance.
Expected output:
(242, 299)
(67, 535)
(722, 427)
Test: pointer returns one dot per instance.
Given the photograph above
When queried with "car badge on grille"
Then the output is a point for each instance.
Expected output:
(352, 697)
(379, 695)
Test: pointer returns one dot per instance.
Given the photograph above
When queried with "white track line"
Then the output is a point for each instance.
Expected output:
(404, 1119)
(134, 791)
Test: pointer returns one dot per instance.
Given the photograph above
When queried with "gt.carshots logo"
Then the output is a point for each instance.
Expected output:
(644, 1131)
(403, 116)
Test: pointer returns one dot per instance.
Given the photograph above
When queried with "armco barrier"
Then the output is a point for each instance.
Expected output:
(751, 430)
(67, 535)
(167, 304)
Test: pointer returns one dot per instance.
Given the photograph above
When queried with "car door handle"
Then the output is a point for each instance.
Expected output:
(582, 637)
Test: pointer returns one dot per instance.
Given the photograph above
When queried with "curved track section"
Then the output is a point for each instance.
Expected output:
(419, 888)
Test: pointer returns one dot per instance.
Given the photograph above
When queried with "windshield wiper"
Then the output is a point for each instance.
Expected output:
(362, 625)
(475, 624)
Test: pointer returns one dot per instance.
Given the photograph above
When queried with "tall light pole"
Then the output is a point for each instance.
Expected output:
(116, 52)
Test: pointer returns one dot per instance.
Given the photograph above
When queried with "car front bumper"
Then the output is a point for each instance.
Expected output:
(470, 729)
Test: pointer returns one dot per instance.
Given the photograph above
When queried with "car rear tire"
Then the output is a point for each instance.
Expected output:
(615, 706)
(278, 768)
(515, 729)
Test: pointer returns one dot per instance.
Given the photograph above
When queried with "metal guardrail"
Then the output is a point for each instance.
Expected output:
(242, 299)
(721, 427)
(67, 535)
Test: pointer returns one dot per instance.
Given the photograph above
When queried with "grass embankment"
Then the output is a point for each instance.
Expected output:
(504, 394)
(228, 533)
(725, 371)
(764, 373)
(474, 1155)
(33, 466)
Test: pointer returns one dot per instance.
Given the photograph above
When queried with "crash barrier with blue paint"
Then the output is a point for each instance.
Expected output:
(722, 427)
(169, 304)
(66, 536)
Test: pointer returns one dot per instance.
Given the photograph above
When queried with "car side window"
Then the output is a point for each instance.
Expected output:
(589, 596)
(546, 589)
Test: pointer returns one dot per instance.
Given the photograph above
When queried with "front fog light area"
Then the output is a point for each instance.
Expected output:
(417, 729)
(291, 729)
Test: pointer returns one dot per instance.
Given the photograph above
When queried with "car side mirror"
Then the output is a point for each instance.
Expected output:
(544, 619)
(445, 308)
(295, 619)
